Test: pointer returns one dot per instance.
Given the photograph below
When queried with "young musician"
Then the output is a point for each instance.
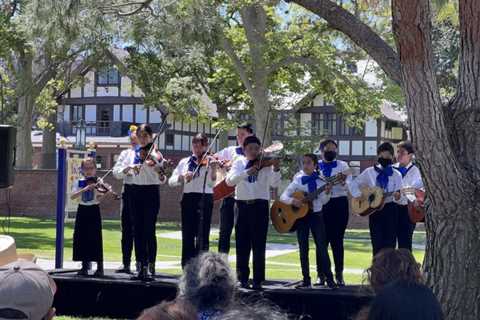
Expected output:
(227, 215)
(252, 194)
(382, 223)
(336, 211)
(87, 234)
(411, 178)
(127, 217)
(198, 180)
(308, 180)
(145, 201)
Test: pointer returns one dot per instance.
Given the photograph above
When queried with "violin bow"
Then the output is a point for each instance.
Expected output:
(264, 135)
(208, 150)
(163, 127)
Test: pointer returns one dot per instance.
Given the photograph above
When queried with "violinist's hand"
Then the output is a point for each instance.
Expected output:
(252, 171)
(89, 187)
(297, 203)
(328, 188)
(214, 164)
(187, 177)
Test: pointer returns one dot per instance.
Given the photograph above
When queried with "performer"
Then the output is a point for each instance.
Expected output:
(87, 234)
(308, 180)
(252, 194)
(411, 178)
(336, 211)
(383, 223)
(227, 210)
(197, 185)
(145, 199)
(124, 159)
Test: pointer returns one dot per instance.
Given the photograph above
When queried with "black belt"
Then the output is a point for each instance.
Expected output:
(251, 201)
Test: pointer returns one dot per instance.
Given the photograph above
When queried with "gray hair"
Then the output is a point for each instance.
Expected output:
(208, 282)
(260, 310)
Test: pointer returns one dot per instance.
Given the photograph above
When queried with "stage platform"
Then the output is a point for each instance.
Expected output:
(117, 296)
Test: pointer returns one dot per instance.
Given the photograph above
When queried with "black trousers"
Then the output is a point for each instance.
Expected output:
(145, 205)
(227, 220)
(383, 227)
(127, 226)
(405, 228)
(191, 224)
(87, 235)
(335, 215)
(251, 236)
(315, 223)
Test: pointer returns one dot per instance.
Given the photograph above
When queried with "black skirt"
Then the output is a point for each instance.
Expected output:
(87, 235)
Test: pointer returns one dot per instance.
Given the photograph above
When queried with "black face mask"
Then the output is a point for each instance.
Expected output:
(329, 155)
(385, 162)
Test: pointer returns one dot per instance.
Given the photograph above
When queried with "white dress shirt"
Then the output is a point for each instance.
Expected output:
(245, 190)
(296, 185)
(230, 153)
(339, 190)
(124, 160)
(368, 178)
(196, 184)
(412, 179)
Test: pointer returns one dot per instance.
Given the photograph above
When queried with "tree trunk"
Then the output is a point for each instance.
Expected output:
(24, 133)
(49, 144)
(223, 138)
(452, 261)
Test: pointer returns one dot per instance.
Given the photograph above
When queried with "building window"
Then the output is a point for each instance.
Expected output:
(346, 130)
(108, 77)
(77, 113)
(169, 139)
(324, 124)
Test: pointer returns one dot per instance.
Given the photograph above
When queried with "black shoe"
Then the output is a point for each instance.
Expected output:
(82, 272)
(151, 269)
(257, 287)
(143, 275)
(339, 279)
(124, 269)
(99, 273)
(138, 266)
(320, 281)
(331, 284)
(305, 284)
(243, 284)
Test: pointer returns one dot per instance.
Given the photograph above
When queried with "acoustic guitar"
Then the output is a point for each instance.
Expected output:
(284, 215)
(416, 205)
(372, 200)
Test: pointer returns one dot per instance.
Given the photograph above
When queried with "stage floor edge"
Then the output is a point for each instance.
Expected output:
(118, 296)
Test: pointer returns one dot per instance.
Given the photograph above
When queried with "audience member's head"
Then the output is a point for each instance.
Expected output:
(261, 310)
(208, 282)
(26, 292)
(393, 264)
(179, 309)
(402, 300)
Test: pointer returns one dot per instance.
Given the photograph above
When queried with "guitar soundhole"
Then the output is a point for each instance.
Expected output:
(371, 198)
(284, 221)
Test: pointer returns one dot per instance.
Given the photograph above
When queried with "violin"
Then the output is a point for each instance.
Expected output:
(265, 161)
(152, 159)
(101, 186)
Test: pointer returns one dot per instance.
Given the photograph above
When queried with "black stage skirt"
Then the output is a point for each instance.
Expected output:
(87, 235)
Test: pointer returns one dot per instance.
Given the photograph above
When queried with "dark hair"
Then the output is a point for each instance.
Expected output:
(312, 156)
(255, 310)
(393, 264)
(146, 128)
(200, 137)
(178, 309)
(386, 146)
(246, 126)
(324, 143)
(407, 145)
(251, 139)
(405, 300)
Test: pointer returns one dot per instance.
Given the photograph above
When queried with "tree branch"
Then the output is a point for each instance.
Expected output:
(291, 60)
(237, 63)
(361, 34)
(142, 5)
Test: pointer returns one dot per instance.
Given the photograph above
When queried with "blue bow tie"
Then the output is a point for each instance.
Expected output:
(327, 167)
(192, 165)
(311, 180)
(383, 174)
(239, 151)
(403, 170)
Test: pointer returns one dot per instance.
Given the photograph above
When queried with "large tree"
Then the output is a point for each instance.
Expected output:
(445, 133)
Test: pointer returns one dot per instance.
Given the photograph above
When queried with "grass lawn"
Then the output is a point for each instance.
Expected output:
(38, 236)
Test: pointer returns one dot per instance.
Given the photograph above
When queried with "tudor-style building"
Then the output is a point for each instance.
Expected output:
(108, 102)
